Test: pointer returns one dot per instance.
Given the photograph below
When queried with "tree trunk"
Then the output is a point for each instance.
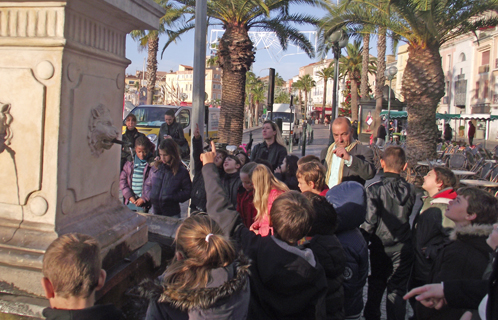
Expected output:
(364, 68)
(305, 104)
(422, 88)
(152, 45)
(379, 80)
(235, 56)
(325, 80)
(354, 97)
(300, 102)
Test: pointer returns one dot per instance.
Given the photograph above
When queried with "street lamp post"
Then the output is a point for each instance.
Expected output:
(339, 40)
(389, 73)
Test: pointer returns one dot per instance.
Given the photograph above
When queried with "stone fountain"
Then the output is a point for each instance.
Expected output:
(61, 97)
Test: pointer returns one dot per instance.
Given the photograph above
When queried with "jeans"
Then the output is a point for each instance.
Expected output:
(391, 271)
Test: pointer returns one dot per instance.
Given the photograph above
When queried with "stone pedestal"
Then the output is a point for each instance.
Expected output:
(61, 98)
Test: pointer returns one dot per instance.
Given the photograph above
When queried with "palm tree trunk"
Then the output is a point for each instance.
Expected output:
(422, 88)
(305, 103)
(354, 98)
(325, 80)
(152, 45)
(364, 68)
(235, 56)
(231, 113)
(379, 79)
(300, 101)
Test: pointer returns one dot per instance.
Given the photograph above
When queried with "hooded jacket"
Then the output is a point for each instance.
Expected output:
(430, 233)
(286, 281)
(389, 205)
(97, 312)
(165, 191)
(226, 296)
(348, 199)
(465, 257)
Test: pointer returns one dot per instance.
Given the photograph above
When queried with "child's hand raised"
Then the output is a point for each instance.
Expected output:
(208, 157)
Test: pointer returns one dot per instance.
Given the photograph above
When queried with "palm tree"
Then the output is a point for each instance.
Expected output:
(365, 59)
(298, 85)
(236, 50)
(425, 25)
(150, 40)
(350, 66)
(255, 92)
(380, 79)
(282, 97)
(325, 74)
(307, 84)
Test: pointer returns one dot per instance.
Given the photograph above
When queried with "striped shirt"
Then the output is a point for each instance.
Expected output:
(137, 179)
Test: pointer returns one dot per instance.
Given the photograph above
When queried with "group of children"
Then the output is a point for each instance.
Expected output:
(307, 251)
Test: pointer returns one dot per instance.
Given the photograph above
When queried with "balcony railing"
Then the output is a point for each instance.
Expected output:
(484, 68)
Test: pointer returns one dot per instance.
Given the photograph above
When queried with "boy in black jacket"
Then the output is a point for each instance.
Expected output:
(389, 205)
(286, 281)
(72, 273)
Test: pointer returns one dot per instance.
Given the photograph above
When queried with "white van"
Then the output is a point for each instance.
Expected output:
(289, 123)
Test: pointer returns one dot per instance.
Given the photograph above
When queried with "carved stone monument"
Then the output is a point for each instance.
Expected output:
(62, 73)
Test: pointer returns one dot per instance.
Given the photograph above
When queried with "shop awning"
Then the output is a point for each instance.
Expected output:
(445, 116)
(395, 114)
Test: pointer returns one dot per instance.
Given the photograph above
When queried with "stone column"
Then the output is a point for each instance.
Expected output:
(62, 71)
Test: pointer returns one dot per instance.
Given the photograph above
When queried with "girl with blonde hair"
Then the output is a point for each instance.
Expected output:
(206, 279)
(266, 189)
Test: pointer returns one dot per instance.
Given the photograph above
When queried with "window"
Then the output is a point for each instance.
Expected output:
(131, 82)
(183, 118)
(485, 58)
(477, 90)
(462, 57)
(219, 96)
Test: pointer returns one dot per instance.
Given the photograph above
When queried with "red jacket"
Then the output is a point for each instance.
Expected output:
(245, 206)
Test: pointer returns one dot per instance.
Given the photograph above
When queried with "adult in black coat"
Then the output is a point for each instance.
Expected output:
(273, 148)
(356, 160)
(172, 129)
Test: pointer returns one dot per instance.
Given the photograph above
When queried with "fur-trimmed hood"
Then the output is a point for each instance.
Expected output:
(473, 230)
(201, 298)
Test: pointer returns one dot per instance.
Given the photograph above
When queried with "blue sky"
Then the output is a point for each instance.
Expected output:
(183, 53)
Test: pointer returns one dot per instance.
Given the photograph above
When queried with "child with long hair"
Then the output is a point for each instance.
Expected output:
(135, 173)
(169, 181)
(206, 279)
(266, 189)
(287, 172)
